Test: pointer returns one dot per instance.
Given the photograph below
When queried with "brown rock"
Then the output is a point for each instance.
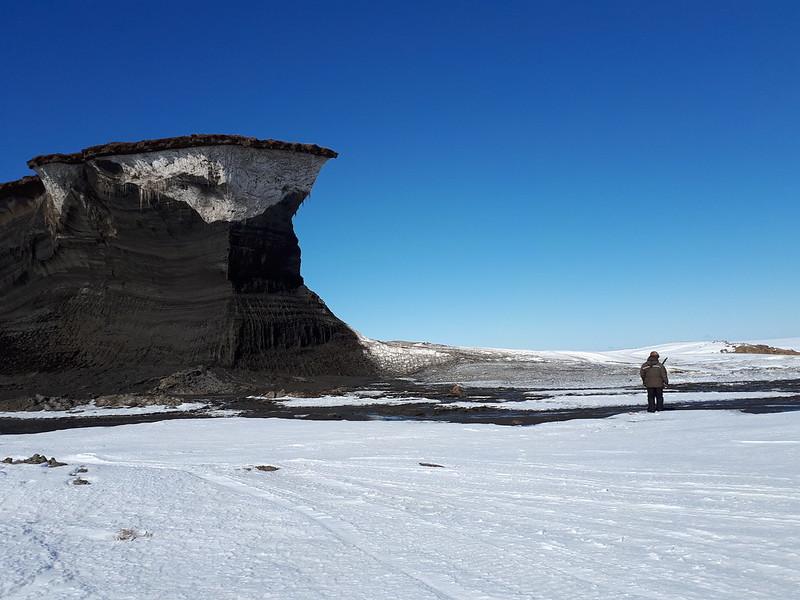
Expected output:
(763, 349)
(129, 534)
(36, 459)
(457, 391)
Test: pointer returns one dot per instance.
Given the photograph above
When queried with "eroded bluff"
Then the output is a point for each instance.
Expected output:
(133, 260)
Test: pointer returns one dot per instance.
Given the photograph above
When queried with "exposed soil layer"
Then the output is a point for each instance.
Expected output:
(30, 187)
(112, 277)
(435, 410)
(763, 349)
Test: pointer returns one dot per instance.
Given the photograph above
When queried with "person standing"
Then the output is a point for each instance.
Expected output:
(655, 379)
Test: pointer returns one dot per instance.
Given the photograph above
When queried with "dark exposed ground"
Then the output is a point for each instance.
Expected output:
(763, 349)
(107, 282)
(436, 410)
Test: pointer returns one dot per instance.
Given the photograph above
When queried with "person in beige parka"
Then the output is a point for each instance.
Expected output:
(655, 379)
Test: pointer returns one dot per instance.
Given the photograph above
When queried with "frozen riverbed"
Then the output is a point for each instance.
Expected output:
(684, 504)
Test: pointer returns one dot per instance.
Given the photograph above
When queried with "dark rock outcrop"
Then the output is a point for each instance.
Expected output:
(134, 260)
(36, 459)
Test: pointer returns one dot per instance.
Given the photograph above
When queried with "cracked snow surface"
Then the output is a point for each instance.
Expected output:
(694, 505)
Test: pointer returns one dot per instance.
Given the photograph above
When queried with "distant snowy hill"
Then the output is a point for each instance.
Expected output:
(694, 360)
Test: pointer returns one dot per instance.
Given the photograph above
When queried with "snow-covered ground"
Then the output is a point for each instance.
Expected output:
(550, 400)
(695, 361)
(688, 361)
(92, 410)
(615, 373)
(715, 360)
(677, 505)
(578, 400)
(357, 399)
(687, 353)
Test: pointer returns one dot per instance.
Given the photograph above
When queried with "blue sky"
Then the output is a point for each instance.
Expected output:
(584, 175)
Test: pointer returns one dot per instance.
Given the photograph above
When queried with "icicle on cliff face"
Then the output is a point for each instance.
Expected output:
(151, 256)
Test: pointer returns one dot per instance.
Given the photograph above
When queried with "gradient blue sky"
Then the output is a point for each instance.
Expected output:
(582, 175)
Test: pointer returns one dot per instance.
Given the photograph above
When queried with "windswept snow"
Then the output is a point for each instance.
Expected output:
(91, 410)
(575, 400)
(681, 505)
(350, 400)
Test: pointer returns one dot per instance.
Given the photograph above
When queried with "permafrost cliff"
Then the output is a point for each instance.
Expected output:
(133, 260)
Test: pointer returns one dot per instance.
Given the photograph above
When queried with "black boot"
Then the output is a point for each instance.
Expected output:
(659, 399)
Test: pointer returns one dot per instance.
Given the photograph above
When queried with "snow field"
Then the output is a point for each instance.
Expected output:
(688, 361)
(694, 505)
(539, 400)
(575, 399)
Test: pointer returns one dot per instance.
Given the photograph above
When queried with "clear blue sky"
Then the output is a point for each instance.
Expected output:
(557, 174)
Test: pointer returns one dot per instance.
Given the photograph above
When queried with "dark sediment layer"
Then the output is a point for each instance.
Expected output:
(124, 268)
(175, 143)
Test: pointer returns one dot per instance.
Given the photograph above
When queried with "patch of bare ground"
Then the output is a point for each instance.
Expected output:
(761, 349)
(263, 468)
(266, 468)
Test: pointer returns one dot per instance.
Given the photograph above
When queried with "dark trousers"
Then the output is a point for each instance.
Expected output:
(655, 399)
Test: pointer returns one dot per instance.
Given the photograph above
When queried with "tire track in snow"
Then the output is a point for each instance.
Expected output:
(322, 519)
(577, 583)
(568, 555)
(51, 575)
(631, 531)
